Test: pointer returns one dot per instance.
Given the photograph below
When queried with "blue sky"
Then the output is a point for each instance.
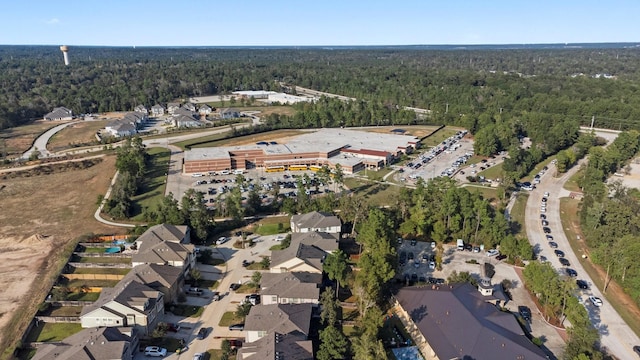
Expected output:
(316, 22)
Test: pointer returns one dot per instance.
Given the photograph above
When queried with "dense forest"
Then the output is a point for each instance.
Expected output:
(457, 85)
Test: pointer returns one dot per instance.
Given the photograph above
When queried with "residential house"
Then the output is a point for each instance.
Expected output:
(189, 106)
(141, 109)
(280, 318)
(277, 346)
(316, 221)
(298, 257)
(121, 128)
(157, 110)
(290, 288)
(167, 279)
(59, 113)
(458, 322)
(105, 343)
(229, 113)
(322, 240)
(166, 245)
(172, 107)
(182, 121)
(136, 117)
(205, 110)
(128, 304)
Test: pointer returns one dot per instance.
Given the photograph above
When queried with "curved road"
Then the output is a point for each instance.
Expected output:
(615, 334)
(40, 143)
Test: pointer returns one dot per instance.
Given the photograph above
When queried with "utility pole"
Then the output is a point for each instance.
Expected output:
(447, 109)
(593, 119)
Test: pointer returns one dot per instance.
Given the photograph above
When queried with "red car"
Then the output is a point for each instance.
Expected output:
(235, 343)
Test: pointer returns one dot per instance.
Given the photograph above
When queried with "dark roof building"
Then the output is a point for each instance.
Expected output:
(292, 319)
(289, 288)
(315, 221)
(457, 322)
(59, 113)
(106, 343)
(276, 346)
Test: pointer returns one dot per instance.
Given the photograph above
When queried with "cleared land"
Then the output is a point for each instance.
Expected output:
(80, 134)
(420, 131)
(41, 215)
(15, 141)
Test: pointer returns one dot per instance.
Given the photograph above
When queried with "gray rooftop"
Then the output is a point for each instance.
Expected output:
(302, 285)
(325, 140)
(106, 343)
(322, 240)
(276, 346)
(155, 276)
(132, 294)
(315, 219)
(311, 255)
(281, 318)
(458, 322)
(209, 153)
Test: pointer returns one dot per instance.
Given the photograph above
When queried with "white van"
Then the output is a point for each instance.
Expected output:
(238, 172)
(224, 172)
(460, 245)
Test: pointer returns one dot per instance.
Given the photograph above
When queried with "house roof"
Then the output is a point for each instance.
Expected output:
(131, 294)
(155, 276)
(105, 343)
(121, 126)
(277, 346)
(157, 107)
(185, 112)
(167, 232)
(59, 113)
(303, 285)
(309, 254)
(315, 219)
(140, 108)
(281, 318)
(458, 322)
(161, 244)
(173, 105)
(322, 240)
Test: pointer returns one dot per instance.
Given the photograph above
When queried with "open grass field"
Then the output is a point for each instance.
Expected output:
(376, 194)
(517, 214)
(80, 134)
(273, 225)
(438, 136)
(624, 305)
(41, 217)
(494, 172)
(15, 141)
(419, 131)
(572, 183)
(219, 139)
(49, 332)
(488, 193)
(153, 187)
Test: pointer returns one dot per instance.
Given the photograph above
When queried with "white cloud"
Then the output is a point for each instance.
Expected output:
(52, 21)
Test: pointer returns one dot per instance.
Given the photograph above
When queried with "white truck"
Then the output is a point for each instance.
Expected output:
(460, 245)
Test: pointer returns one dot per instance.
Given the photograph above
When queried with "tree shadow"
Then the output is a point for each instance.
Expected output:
(418, 313)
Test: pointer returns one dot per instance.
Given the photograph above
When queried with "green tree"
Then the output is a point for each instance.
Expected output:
(337, 268)
(330, 308)
(333, 344)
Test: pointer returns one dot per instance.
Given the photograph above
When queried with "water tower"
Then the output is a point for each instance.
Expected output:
(65, 53)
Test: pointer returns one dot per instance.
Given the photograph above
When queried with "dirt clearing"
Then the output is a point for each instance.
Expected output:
(39, 215)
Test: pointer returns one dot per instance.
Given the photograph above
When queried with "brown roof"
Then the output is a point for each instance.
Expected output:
(90, 344)
(162, 243)
(307, 253)
(458, 322)
(315, 219)
(281, 318)
(276, 346)
(302, 285)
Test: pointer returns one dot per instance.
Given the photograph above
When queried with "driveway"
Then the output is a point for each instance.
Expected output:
(616, 336)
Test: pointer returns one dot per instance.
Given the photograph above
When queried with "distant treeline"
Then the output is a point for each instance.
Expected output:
(454, 84)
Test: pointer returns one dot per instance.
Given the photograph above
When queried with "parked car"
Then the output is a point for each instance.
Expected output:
(559, 253)
(198, 356)
(414, 242)
(564, 262)
(246, 263)
(525, 312)
(432, 265)
(194, 291)
(553, 245)
(234, 286)
(222, 240)
(235, 343)
(433, 244)
(203, 332)
(253, 299)
(636, 349)
(236, 327)
(571, 272)
(501, 257)
(546, 230)
(493, 252)
(543, 216)
(582, 284)
(216, 296)
(155, 351)
(544, 223)
(596, 301)
(549, 237)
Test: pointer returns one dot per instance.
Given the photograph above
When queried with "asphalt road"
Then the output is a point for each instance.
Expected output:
(616, 336)
(40, 143)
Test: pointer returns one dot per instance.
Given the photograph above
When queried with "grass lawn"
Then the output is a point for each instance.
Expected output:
(494, 172)
(153, 187)
(186, 310)
(114, 271)
(257, 266)
(439, 136)
(214, 262)
(377, 175)
(83, 296)
(209, 284)
(272, 225)
(488, 193)
(80, 134)
(95, 250)
(215, 354)
(621, 302)
(65, 311)
(230, 318)
(375, 193)
(517, 214)
(572, 183)
(247, 289)
(19, 139)
(77, 283)
(105, 260)
(48, 332)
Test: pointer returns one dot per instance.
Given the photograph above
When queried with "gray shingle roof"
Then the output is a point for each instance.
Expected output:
(457, 322)
(301, 285)
(315, 219)
(59, 113)
(307, 253)
(322, 240)
(285, 346)
(90, 344)
(154, 275)
(281, 318)
(133, 294)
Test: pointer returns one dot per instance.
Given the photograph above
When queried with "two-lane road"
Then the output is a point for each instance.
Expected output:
(615, 334)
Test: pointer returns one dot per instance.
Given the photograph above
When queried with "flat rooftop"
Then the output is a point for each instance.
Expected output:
(325, 140)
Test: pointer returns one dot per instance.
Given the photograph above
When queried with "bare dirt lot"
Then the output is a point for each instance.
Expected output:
(39, 215)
